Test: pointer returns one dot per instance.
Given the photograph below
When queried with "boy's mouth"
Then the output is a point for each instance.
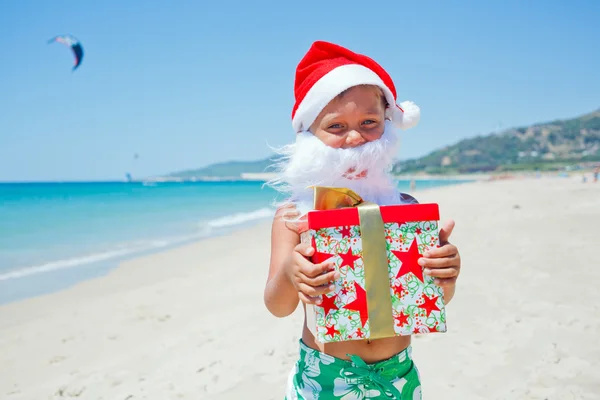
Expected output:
(351, 175)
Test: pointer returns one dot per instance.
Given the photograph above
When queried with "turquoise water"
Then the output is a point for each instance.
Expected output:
(55, 234)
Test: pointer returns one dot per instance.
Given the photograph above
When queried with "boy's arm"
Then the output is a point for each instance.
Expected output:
(280, 296)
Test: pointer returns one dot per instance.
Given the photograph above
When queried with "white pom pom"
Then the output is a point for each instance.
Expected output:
(407, 119)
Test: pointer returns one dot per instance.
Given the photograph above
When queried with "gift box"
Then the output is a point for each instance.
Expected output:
(382, 290)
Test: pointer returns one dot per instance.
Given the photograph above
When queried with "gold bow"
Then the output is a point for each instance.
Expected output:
(375, 260)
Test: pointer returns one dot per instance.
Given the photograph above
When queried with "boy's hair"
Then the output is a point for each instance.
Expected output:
(374, 88)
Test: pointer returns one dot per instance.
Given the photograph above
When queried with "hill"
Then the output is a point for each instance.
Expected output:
(231, 169)
(549, 145)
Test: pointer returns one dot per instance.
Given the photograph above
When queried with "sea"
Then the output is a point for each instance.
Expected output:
(53, 235)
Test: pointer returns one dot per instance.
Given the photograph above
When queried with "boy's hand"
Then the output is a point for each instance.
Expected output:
(311, 280)
(442, 263)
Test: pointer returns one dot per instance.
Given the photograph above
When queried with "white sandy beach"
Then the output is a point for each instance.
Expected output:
(190, 323)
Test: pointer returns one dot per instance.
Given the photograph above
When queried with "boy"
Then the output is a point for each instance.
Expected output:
(344, 116)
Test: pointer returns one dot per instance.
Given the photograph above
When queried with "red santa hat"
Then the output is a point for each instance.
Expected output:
(327, 70)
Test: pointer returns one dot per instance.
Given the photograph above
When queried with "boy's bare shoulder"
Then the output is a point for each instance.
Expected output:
(407, 198)
(285, 210)
(285, 219)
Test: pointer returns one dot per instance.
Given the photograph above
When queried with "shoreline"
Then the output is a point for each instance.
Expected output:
(52, 275)
(30, 284)
(18, 288)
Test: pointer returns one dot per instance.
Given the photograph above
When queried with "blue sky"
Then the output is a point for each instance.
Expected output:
(188, 83)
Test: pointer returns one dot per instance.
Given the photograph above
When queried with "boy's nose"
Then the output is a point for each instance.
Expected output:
(353, 139)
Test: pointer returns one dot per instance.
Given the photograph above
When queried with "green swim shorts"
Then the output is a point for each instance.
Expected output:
(320, 376)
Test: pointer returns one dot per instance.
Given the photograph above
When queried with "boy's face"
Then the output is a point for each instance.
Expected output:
(353, 118)
(349, 145)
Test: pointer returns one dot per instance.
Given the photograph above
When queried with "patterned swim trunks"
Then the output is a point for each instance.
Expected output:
(320, 376)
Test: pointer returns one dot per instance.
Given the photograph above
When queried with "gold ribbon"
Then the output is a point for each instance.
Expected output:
(374, 247)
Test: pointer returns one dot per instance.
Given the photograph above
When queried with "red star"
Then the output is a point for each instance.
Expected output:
(409, 261)
(345, 231)
(319, 257)
(401, 319)
(360, 304)
(360, 333)
(418, 231)
(398, 289)
(348, 258)
(328, 303)
(416, 331)
(331, 331)
(429, 304)
(344, 291)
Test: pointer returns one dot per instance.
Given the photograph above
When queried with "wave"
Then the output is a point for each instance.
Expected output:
(206, 229)
(241, 218)
(67, 263)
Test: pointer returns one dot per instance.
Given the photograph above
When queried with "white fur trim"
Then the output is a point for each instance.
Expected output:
(329, 86)
(407, 119)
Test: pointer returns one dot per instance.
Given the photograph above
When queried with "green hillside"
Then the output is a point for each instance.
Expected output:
(541, 146)
(549, 145)
(231, 169)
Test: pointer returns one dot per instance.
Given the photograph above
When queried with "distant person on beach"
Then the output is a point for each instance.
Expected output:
(345, 119)
(596, 173)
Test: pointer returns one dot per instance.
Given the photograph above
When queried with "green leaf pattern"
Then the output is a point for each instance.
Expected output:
(308, 371)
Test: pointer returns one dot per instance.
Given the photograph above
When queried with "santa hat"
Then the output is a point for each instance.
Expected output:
(327, 70)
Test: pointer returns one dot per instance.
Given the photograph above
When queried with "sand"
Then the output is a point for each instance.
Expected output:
(190, 323)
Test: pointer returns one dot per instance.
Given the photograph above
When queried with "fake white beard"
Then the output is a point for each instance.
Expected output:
(310, 162)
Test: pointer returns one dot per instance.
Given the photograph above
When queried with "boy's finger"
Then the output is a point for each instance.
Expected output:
(448, 250)
(305, 249)
(313, 270)
(308, 300)
(437, 262)
(312, 291)
(322, 279)
(442, 272)
(446, 231)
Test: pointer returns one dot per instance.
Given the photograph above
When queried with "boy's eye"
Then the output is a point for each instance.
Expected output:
(335, 126)
(369, 122)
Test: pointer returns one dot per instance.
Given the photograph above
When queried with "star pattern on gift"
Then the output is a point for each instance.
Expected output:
(398, 289)
(345, 231)
(401, 319)
(347, 309)
(348, 258)
(331, 331)
(409, 261)
(328, 303)
(319, 257)
(359, 304)
(429, 304)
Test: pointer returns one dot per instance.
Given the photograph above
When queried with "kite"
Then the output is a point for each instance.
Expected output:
(74, 44)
